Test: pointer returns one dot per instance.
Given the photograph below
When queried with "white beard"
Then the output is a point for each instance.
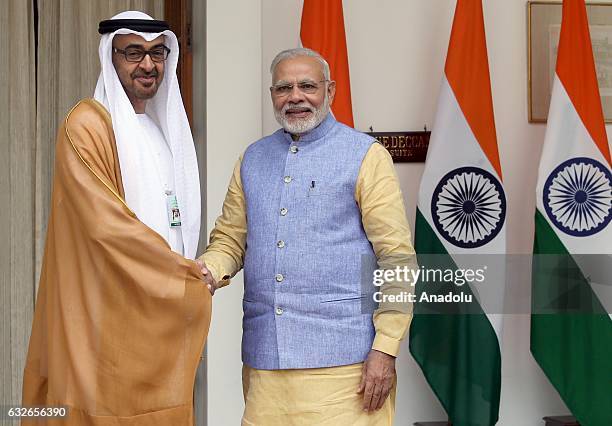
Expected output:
(302, 125)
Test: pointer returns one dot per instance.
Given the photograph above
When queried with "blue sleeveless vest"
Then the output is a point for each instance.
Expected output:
(305, 250)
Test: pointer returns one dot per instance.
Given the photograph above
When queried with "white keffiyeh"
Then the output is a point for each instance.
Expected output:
(138, 168)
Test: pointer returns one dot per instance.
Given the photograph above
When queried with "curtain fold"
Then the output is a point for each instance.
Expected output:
(17, 119)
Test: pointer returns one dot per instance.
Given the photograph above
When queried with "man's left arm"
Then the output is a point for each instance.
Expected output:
(379, 197)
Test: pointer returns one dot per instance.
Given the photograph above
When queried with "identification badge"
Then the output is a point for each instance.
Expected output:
(174, 214)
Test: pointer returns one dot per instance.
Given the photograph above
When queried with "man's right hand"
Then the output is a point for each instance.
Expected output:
(207, 276)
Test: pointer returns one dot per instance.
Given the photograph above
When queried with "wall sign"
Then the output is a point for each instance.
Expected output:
(404, 147)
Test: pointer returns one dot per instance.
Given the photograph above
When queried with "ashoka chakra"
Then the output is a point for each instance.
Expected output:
(578, 196)
(468, 207)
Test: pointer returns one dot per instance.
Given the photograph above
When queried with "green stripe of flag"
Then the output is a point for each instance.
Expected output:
(458, 352)
(573, 349)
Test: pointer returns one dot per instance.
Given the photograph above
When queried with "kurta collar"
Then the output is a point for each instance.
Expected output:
(317, 133)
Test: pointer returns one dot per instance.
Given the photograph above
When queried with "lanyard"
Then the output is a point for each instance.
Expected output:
(172, 207)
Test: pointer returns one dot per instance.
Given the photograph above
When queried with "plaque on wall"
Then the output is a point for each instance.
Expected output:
(404, 147)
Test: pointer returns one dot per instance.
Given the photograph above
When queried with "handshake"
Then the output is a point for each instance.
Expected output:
(207, 277)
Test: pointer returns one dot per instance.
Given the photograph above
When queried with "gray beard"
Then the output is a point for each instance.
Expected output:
(299, 126)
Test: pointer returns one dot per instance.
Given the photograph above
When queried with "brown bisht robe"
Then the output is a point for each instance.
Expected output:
(120, 319)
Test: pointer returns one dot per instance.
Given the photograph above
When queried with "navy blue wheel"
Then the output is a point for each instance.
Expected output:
(577, 196)
(468, 207)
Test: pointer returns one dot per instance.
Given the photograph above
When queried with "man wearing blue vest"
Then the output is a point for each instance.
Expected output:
(306, 209)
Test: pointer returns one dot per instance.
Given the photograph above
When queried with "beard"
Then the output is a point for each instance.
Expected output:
(148, 91)
(297, 126)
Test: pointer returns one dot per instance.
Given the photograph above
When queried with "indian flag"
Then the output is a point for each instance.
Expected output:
(461, 218)
(571, 330)
(322, 30)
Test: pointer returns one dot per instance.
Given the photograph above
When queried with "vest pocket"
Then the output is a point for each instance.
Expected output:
(344, 299)
(317, 189)
(327, 210)
(341, 307)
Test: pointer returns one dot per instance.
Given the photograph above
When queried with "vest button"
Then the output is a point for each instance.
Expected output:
(294, 149)
(279, 310)
(283, 211)
(279, 278)
(280, 244)
(287, 179)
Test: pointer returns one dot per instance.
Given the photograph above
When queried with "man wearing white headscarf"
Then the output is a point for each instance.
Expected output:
(122, 314)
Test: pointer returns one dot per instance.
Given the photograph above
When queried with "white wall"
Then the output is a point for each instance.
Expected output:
(397, 50)
(233, 42)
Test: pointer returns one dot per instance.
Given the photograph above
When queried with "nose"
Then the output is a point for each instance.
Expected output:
(296, 95)
(147, 64)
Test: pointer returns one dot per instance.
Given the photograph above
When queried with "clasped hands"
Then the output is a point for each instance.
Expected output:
(207, 277)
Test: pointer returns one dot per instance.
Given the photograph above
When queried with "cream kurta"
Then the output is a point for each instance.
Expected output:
(120, 318)
(314, 396)
(268, 394)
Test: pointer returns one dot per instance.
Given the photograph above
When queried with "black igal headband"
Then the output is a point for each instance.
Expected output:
(140, 25)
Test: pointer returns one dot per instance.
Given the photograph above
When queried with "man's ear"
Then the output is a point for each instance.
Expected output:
(331, 91)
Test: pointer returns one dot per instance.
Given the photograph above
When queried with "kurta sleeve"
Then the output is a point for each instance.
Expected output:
(120, 319)
(379, 197)
(224, 255)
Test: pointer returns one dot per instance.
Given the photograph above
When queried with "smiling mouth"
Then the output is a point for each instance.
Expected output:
(145, 80)
(298, 112)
